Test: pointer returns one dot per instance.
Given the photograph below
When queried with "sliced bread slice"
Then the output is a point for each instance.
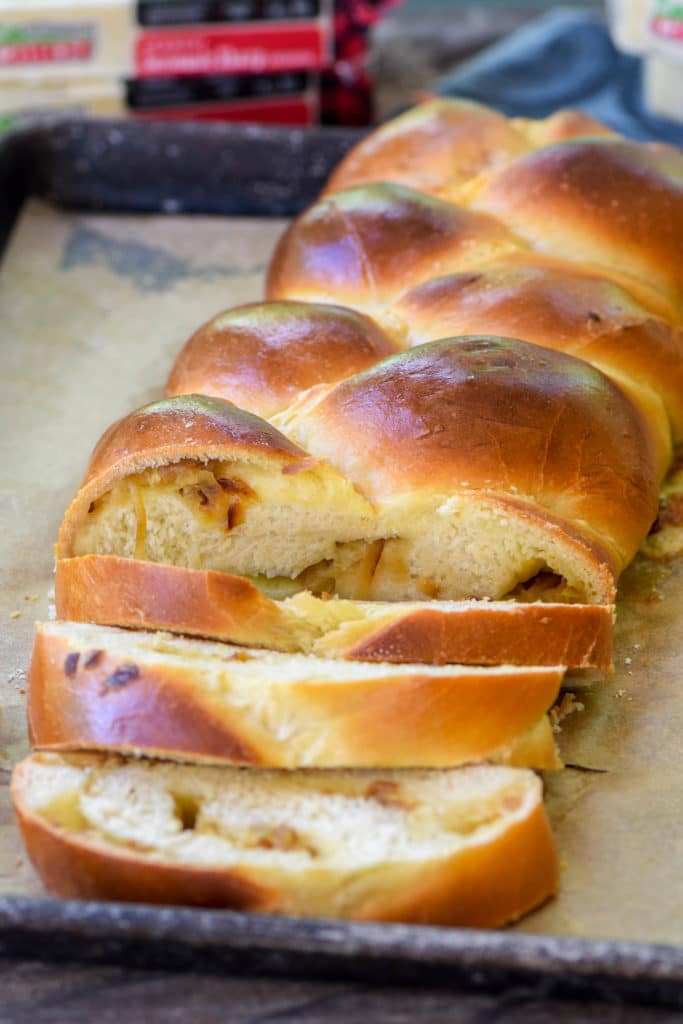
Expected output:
(94, 687)
(113, 591)
(470, 846)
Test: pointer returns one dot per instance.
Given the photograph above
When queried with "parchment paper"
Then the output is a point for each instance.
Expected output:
(93, 310)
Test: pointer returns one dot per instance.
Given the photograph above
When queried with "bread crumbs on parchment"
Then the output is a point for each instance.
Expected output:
(567, 706)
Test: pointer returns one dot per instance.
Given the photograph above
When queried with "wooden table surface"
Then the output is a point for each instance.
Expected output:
(39, 993)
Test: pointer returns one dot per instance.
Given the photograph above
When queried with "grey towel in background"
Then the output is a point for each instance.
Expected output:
(563, 59)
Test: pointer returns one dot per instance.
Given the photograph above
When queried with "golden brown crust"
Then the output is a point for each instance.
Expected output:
(550, 303)
(113, 591)
(481, 887)
(166, 706)
(434, 147)
(364, 246)
(577, 636)
(77, 869)
(501, 418)
(189, 427)
(440, 144)
(610, 204)
(262, 355)
(109, 702)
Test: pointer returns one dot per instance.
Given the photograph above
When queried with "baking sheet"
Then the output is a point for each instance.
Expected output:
(93, 310)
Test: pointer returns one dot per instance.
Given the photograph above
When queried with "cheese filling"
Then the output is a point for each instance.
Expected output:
(288, 533)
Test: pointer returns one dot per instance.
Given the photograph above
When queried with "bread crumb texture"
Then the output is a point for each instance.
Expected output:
(206, 816)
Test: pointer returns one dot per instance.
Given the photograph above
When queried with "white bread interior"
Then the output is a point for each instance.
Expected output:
(262, 521)
(325, 841)
(316, 531)
(337, 815)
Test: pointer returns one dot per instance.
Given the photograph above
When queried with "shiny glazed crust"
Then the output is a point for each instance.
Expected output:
(440, 144)
(553, 304)
(262, 355)
(191, 700)
(364, 246)
(484, 885)
(114, 591)
(611, 205)
(521, 425)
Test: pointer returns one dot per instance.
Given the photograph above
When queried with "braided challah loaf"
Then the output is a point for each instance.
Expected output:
(464, 468)
(437, 147)
(262, 356)
(442, 442)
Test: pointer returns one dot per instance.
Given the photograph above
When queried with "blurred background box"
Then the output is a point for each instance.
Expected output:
(653, 29)
(663, 86)
(238, 60)
(302, 62)
(147, 38)
(290, 98)
(295, 62)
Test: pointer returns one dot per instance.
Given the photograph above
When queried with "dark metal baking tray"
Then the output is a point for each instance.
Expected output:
(220, 169)
(166, 167)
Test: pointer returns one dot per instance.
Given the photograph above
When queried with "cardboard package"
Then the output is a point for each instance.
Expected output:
(654, 30)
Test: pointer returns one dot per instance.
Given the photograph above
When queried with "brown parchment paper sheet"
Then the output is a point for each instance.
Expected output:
(93, 310)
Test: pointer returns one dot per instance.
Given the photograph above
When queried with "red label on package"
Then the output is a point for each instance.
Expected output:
(231, 50)
(37, 43)
(45, 53)
(300, 111)
(669, 28)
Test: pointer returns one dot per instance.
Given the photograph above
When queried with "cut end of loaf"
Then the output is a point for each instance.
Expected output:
(194, 430)
(246, 515)
(316, 532)
(506, 472)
